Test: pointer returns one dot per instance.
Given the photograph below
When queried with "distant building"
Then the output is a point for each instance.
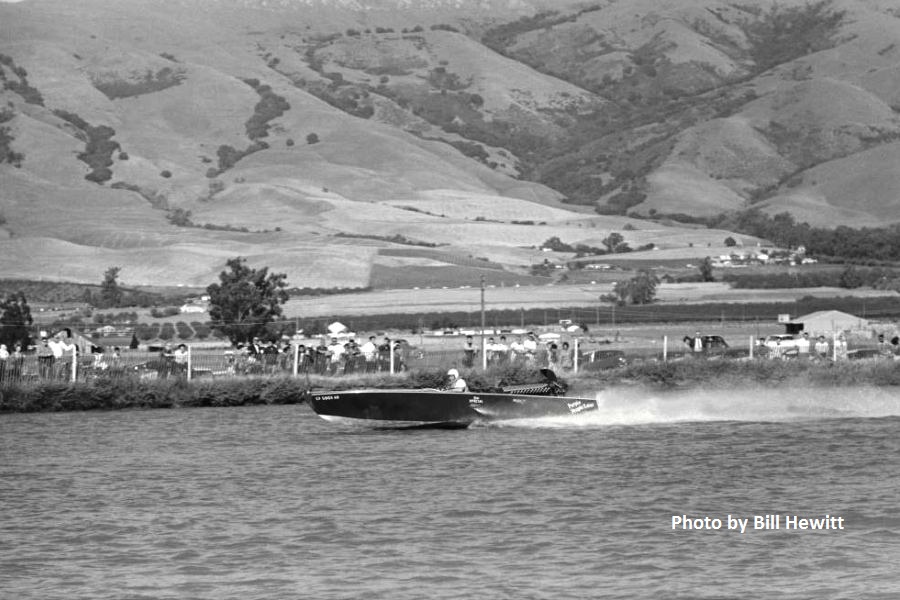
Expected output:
(826, 322)
(192, 308)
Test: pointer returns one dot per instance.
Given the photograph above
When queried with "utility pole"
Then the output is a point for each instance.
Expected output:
(483, 340)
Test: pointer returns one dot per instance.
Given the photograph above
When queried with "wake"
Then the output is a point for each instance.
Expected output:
(630, 406)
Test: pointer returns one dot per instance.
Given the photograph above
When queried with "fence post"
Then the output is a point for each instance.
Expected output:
(74, 363)
(189, 362)
(665, 348)
(391, 352)
(575, 358)
(296, 368)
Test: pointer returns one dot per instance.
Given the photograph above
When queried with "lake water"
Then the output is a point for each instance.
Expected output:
(272, 502)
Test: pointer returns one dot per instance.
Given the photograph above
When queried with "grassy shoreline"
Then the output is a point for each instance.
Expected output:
(674, 375)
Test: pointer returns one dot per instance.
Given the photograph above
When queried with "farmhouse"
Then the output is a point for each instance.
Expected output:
(826, 322)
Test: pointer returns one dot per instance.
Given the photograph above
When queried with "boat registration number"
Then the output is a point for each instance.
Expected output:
(328, 397)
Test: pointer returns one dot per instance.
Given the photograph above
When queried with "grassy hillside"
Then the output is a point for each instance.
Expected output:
(165, 137)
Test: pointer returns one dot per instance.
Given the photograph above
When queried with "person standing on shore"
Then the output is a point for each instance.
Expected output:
(469, 352)
(370, 353)
(697, 344)
(46, 358)
(821, 348)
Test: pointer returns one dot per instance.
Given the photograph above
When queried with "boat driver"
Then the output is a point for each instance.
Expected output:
(456, 383)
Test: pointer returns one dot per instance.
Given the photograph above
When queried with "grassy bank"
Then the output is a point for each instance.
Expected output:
(682, 374)
(742, 374)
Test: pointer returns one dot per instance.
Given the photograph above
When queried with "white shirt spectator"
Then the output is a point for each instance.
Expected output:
(369, 351)
(337, 350)
(59, 347)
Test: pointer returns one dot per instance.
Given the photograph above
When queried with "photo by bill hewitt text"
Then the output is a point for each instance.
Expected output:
(758, 523)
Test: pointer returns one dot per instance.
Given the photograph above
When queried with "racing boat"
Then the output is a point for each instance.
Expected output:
(405, 408)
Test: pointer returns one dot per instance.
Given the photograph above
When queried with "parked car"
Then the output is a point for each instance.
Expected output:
(602, 359)
(712, 344)
(785, 345)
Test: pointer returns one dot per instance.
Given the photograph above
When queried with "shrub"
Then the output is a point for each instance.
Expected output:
(167, 331)
(151, 82)
(312, 138)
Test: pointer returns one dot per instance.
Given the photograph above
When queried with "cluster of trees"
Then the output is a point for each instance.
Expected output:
(99, 146)
(270, 107)
(19, 85)
(7, 154)
(783, 34)
(849, 277)
(162, 79)
(782, 229)
(640, 289)
(15, 321)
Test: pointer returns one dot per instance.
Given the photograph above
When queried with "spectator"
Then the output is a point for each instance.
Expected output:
(303, 359)
(489, 351)
(400, 351)
(820, 350)
(553, 357)
(320, 357)
(15, 362)
(697, 344)
(180, 355)
(335, 356)
(270, 355)
(530, 347)
(352, 356)
(566, 357)
(469, 352)
(803, 345)
(840, 347)
(369, 352)
(501, 351)
(884, 348)
(517, 349)
(45, 358)
(59, 347)
(384, 355)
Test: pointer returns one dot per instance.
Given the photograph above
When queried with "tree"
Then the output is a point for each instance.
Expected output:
(850, 278)
(110, 293)
(613, 241)
(730, 242)
(706, 269)
(640, 289)
(245, 300)
(15, 321)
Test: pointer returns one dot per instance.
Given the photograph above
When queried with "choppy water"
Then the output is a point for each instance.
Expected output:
(271, 502)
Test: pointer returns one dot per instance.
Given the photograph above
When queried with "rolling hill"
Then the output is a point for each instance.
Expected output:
(167, 136)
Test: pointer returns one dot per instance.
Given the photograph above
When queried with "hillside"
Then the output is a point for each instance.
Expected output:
(318, 137)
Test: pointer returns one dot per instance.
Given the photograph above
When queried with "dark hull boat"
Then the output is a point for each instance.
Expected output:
(440, 409)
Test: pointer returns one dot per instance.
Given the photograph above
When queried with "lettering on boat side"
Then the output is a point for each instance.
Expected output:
(328, 397)
(519, 400)
(475, 400)
(579, 406)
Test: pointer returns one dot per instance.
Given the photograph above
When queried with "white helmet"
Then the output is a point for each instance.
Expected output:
(453, 373)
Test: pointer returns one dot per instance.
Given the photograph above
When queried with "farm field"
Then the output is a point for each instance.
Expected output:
(548, 296)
